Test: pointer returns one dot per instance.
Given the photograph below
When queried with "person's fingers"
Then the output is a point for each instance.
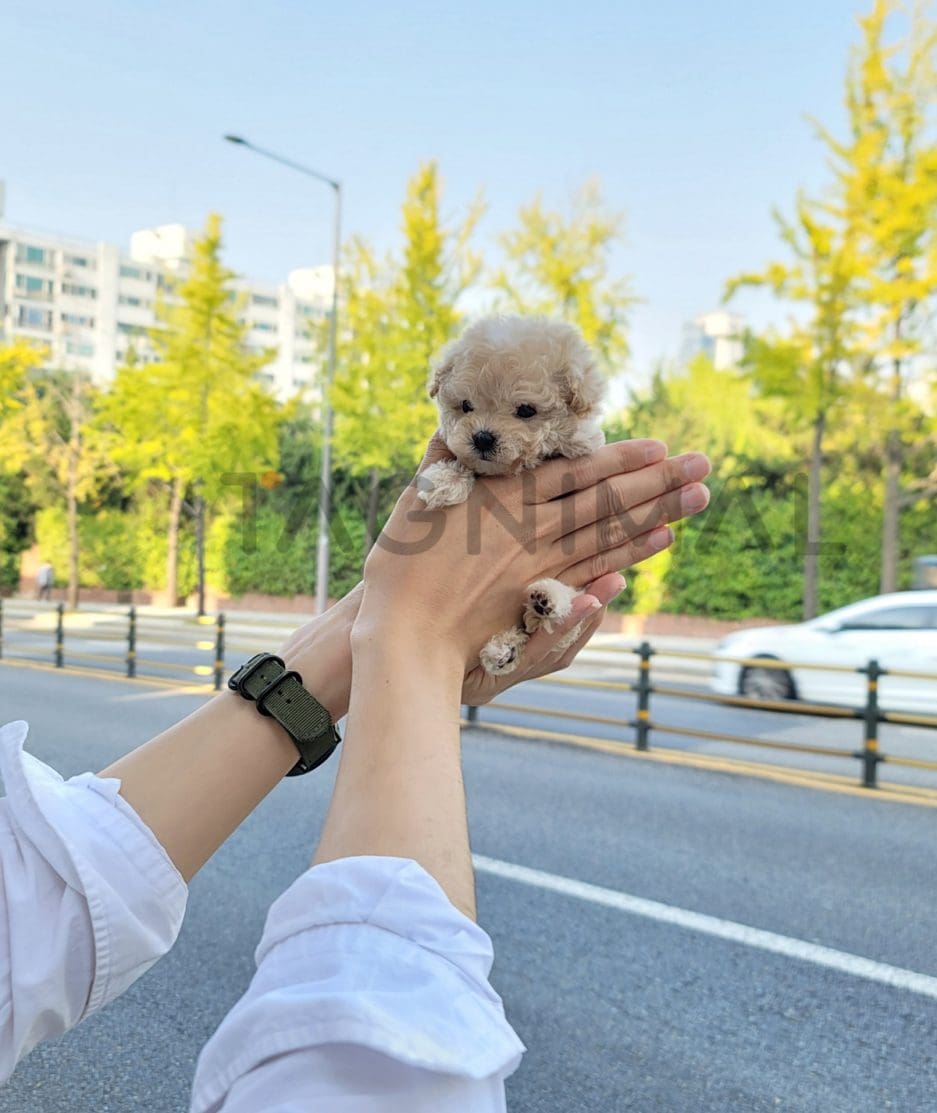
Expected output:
(560, 477)
(614, 533)
(568, 655)
(617, 495)
(606, 587)
(633, 551)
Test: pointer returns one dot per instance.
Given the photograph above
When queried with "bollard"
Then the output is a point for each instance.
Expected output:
(643, 722)
(132, 644)
(870, 755)
(60, 637)
(219, 651)
(472, 715)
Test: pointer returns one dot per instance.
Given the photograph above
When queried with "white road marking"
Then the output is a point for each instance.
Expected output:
(846, 963)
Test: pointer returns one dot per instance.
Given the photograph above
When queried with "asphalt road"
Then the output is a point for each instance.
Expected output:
(619, 1010)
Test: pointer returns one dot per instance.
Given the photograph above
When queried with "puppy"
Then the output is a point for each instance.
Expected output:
(512, 392)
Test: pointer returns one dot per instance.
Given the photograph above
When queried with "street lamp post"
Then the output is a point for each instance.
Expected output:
(325, 494)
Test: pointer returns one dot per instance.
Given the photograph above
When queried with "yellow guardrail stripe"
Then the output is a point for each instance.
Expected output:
(572, 682)
(911, 720)
(69, 657)
(794, 706)
(912, 762)
(527, 710)
(169, 665)
(824, 751)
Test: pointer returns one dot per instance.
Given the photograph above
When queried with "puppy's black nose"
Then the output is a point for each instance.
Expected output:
(484, 441)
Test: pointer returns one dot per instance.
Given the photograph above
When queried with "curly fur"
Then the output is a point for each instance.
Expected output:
(498, 365)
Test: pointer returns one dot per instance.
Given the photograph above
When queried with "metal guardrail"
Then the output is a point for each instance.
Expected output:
(137, 627)
(870, 714)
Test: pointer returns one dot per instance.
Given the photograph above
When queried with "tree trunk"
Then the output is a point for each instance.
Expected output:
(172, 553)
(374, 498)
(812, 546)
(894, 458)
(71, 493)
(891, 513)
(200, 551)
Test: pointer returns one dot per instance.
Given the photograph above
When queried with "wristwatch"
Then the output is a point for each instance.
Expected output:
(279, 693)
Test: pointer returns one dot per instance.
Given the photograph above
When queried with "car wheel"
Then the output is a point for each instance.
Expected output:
(766, 684)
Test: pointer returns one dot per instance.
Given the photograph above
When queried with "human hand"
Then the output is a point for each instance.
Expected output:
(443, 579)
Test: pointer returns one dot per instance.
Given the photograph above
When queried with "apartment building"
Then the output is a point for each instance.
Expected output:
(717, 335)
(89, 303)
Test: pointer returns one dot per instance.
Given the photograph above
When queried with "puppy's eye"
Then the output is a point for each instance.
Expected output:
(525, 410)
(467, 406)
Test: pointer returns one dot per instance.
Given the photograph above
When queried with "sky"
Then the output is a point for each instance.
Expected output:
(692, 115)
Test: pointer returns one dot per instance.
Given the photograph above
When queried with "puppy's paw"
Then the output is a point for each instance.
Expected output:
(445, 483)
(548, 601)
(502, 654)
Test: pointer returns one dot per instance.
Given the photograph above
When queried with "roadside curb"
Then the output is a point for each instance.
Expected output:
(798, 778)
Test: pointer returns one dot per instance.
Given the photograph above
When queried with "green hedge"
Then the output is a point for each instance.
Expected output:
(743, 557)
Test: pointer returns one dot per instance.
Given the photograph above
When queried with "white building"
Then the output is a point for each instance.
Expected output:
(89, 303)
(717, 335)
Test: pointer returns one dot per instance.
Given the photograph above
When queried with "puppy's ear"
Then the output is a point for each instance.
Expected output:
(441, 367)
(437, 373)
(582, 387)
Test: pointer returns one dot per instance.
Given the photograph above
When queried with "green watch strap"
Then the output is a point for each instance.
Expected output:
(279, 693)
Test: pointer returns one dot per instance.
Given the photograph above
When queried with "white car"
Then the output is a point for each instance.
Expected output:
(899, 631)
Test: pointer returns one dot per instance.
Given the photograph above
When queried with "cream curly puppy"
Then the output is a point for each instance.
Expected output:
(512, 392)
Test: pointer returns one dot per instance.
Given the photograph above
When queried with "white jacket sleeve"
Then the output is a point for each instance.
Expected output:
(371, 993)
(90, 900)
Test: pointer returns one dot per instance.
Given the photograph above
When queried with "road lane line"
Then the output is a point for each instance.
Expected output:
(846, 963)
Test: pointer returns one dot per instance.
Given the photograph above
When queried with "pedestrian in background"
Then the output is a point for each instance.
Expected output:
(44, 579)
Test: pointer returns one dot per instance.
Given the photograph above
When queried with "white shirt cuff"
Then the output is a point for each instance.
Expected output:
(100, 848)
(366, 952)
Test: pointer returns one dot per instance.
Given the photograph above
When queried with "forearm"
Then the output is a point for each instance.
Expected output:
(399, 789)
(197, 781)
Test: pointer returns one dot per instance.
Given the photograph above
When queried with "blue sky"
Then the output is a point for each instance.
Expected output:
(692, 115)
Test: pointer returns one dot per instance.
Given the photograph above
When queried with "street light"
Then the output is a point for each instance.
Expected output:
(325, 495)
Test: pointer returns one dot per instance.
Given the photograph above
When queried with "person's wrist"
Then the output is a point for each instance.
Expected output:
(320, 652)
(411, 638)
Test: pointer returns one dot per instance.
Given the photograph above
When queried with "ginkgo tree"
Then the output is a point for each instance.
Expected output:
(809, 368)
(562, 264)
(196, 417)
(886, 194)
(396, 312)
(48, 436)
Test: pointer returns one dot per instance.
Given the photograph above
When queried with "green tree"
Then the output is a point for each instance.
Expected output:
(395, 315)
(197, 415)
(16, 506)
(886, 192)
(17, 511)
(561, 265)
(806, 369)
(16, 360)
(720, 412)
(49, 437)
